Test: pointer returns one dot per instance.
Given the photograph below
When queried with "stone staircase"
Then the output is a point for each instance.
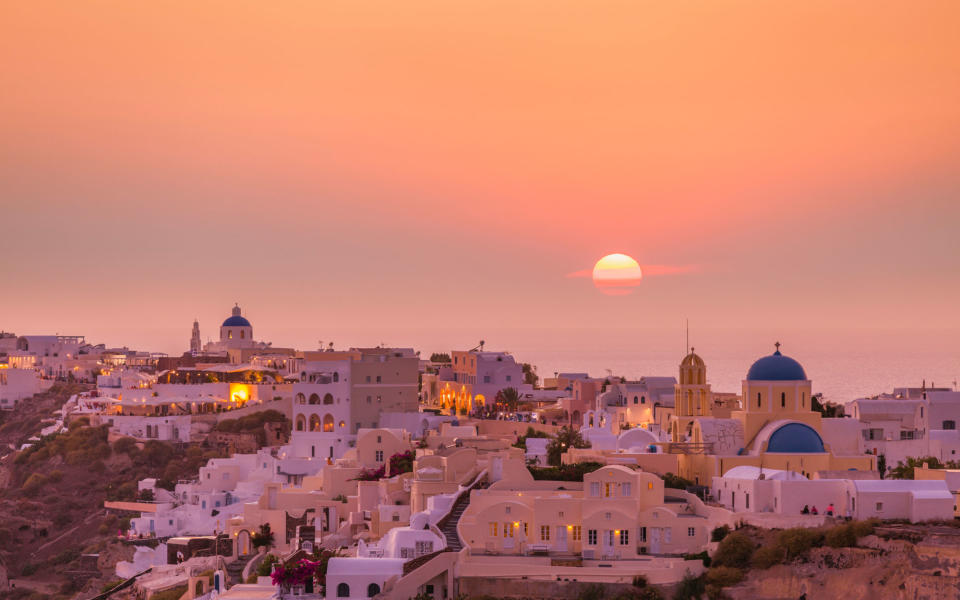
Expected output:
(449, 525)
(235, 570)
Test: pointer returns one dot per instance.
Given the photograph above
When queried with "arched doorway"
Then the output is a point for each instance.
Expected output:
(243, 543)
(372, 590)
(314, 423)
(301, 423)
(328, 423)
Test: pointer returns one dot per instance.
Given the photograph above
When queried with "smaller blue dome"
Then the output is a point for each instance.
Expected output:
(236, 321)
(795, 438)
(776, 367)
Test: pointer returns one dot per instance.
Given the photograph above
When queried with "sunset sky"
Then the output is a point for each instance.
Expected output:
(429, 173)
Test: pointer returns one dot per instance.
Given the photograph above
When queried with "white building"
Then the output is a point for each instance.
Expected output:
(19, 384)
(360, 578)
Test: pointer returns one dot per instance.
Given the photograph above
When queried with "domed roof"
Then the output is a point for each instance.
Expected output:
(795, 438)
(235, 320)
(692, 360)
(776, 367)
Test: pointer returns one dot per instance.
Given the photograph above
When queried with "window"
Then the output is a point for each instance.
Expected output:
(879, 506)
(748, 501)
(667, 533)
(493, 529)
(624, 537)
(950, 425)
(343, 590)
(643, 534)
(424, 548)
(691, 532)
(758, 399)
(643, 399)
(592, 537)
(609, 489)
(372, 590)
(509, 378)
(525, 529)
(378, 379)
(545, 533)
(576, 532)
(486, 379)
(396, 517)
(625, 489)
(594, 488)
(803, 399)
(921, 412)
(508, 530)
(908, 435)
(783, 399)
(378, 456)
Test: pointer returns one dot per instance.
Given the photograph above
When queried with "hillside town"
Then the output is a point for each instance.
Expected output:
(382, 473)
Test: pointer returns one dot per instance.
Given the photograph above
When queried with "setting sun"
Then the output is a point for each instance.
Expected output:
(616, 274)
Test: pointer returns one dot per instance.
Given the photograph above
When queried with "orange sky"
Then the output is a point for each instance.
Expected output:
(372, 169)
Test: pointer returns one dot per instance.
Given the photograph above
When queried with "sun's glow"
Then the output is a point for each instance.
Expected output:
(616, 274)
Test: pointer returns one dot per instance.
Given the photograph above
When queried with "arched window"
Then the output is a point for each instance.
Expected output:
(314, 423)
(343, 591)
(758, 399)
(243, 334)
(643, 399)
(372, 590)
(314, 399)
(635, 400)
(336, 376)
(328, 399)
(301, 422)
(342, 424)
(783, 399)
(803, 399)
(229, 334)
(301, 399)
(328, 423)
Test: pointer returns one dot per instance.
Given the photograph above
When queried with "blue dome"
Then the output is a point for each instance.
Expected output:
(795, 438)
(236, 321)
(776, 367)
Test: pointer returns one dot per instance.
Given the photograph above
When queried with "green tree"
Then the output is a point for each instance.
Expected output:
(440, 357)
(566, 438)
(882, 465)
(734, 551)
(530, 376)
(263, 538)
(829, 410)
(905, 470)
(508, 399)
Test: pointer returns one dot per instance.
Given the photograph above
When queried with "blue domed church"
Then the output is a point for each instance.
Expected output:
(775, 427)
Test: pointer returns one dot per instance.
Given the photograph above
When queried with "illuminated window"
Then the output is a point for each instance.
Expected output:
(508, 530)
(545, 533)
(575, 533)
(328, 423)
(609, 490)
(650, 485)
(229, 335)
(493, 529)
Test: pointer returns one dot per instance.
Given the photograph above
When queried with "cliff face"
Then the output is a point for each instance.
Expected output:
(905, 562)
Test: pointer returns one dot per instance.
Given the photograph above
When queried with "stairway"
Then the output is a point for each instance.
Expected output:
(449, 525)
(235, 570)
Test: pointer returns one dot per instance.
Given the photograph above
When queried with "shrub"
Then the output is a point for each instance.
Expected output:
(703, 556)
(592, 592)
(722, 577)
(639, 581)
(734, 551)
(67, 556)
(55, 476)
(719, 533)
(125, 445)
(766, 557)
(28, 569)
(33, 483)
(340, 498)
(266, 565)
(690, 588)
(676, 482)
(841, 536)
(798, 541)
(574, 472)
